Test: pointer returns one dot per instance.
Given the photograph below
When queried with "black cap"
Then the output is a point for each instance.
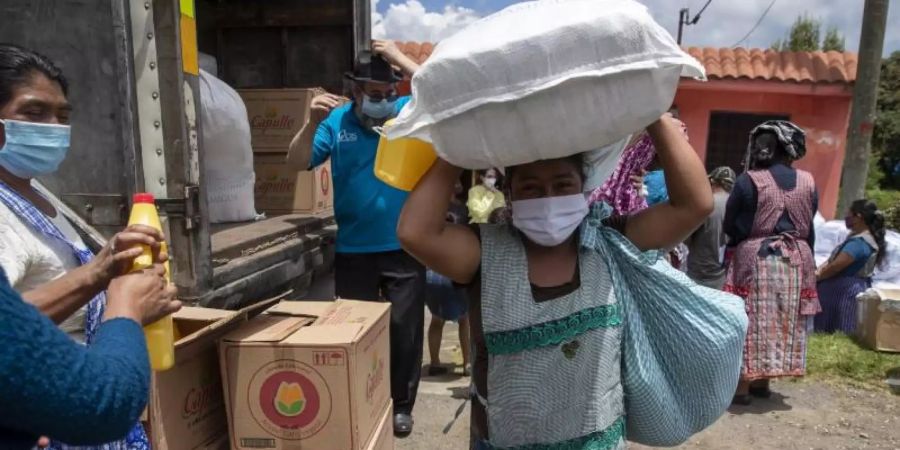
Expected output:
(377, 71)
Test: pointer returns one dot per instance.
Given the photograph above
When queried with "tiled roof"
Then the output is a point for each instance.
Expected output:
(728, 63)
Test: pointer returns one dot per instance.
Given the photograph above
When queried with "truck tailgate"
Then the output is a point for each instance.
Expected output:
(252, 260)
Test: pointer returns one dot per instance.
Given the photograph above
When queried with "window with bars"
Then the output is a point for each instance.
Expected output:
(729, 133)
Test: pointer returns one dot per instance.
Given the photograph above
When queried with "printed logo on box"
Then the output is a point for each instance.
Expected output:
(375, 376)
(274, 185)
(204, 396)
(324, 181)
(272, 121)
(289, 399)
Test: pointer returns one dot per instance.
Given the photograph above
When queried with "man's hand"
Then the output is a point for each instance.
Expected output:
(388, 50)
(392, 54)
(325, 103)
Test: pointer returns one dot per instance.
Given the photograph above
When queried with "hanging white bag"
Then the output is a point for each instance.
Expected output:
(227, 155)
(542, 80)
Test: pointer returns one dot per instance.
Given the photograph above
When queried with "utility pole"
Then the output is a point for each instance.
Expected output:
(865, 95)
(684, 18)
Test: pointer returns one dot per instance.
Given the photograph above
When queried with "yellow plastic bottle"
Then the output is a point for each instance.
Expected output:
(400, 163)
(160, 334)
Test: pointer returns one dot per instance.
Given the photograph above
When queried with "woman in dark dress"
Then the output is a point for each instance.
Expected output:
(769, 220)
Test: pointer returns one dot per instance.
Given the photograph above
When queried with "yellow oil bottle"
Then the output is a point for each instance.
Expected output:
(400, 163)
(160, 334)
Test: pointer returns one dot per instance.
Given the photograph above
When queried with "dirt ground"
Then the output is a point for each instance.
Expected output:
(802, 415)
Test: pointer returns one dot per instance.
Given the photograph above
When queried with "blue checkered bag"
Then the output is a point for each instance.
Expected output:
(682, 344)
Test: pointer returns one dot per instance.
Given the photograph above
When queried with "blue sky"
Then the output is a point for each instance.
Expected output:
(723, 24)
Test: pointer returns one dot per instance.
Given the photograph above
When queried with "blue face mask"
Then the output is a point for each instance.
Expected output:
(33, 149)
(379, 110)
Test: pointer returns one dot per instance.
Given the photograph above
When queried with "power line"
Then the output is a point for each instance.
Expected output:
(763, 16)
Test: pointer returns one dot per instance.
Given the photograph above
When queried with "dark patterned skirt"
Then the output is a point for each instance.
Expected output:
(838, 299)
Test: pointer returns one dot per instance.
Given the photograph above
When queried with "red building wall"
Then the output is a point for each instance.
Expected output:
(823, 111)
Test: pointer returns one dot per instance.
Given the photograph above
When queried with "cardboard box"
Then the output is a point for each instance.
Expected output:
(384, 434)
(187, 407)
(281, 189)
(878, 327)
(276, 116)
(308, 375)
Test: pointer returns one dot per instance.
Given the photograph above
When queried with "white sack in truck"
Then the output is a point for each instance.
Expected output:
(227, 155)
(542, 80)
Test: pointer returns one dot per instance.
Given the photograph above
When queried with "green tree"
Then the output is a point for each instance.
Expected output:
(805, 36)
(833, 40)
(886, 136)
(779, 45)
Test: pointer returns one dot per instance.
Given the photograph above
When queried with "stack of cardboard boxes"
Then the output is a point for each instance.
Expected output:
(310, 375)
(276, 116)
(878, 318)
(187, 407)
(302, 375)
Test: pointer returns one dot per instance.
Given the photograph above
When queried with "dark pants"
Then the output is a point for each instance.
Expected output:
(400, 279)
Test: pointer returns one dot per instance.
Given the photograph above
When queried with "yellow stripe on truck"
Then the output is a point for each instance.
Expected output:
(189, 57)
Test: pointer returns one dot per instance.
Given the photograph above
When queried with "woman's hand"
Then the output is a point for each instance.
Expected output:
(143, 296)
(637, 180)
(118, 255)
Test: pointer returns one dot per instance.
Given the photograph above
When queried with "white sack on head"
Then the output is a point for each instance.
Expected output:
(599, 164)
(542, 80)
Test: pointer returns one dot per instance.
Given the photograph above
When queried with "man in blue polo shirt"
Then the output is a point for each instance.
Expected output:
(369, 263)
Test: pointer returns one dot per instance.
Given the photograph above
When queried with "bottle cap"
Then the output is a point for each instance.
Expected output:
(144, 198)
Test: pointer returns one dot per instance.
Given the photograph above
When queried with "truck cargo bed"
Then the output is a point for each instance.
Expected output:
(255, 259)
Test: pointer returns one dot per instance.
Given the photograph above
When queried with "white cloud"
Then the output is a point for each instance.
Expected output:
(410, 21)
(723, 24)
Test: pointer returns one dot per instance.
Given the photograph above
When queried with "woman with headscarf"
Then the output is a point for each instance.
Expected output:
(769, 218)
(849, 270)
(706, 245)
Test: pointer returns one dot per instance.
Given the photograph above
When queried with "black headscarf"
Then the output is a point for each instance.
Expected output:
(791, 137)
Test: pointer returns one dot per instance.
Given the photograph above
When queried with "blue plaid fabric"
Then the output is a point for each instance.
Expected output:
(137, 438)
(682, 344)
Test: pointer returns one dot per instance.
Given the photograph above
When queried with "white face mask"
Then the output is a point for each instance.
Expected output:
(490, 182)
(549, 221)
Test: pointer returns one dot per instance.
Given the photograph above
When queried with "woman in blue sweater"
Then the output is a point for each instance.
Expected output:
(53, 386)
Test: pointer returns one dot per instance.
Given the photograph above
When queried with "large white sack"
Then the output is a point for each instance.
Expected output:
(227, 155)
(545, 79)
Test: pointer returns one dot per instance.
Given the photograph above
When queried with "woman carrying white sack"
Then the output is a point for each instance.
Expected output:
(547, 323)
(583, 337)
